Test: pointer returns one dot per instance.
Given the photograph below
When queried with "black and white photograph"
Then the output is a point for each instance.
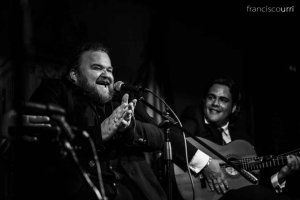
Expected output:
(149, 100)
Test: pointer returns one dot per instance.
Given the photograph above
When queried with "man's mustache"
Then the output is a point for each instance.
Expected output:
(103, 81)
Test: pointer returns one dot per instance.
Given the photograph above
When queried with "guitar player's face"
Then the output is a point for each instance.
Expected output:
(218, 105)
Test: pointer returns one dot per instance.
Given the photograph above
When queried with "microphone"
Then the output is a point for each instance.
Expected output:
(120, 86)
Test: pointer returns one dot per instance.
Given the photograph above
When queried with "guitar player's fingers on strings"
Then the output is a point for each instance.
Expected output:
(215, 177)
(293, 162)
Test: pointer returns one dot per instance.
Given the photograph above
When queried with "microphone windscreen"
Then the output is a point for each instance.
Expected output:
(118, 85)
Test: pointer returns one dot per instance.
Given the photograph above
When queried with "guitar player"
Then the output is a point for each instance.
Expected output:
(216, 119)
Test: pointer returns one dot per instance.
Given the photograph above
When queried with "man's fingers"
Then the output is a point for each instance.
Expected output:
(125, 99)
(223, 184)
(210, 184)
(36, 119)
(40, 125)
(134, 102)
(121, 117)
(125, 123)
(216, 186)
(226, 185)
(29, 138)
(127, 115)
(292, 162)
(222, 188)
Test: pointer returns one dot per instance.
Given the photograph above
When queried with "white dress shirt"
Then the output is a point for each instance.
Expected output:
(225, 132)
(200, 159)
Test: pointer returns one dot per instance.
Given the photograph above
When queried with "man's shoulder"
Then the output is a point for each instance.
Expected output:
(192, 107)
(191, 110)
(48, 88)
(52, 81)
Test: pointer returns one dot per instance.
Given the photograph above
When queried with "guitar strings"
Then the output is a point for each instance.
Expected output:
(252, 163)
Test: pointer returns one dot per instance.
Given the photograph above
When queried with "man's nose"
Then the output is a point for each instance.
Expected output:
(105, 74)
(216, 102)
(104, 71)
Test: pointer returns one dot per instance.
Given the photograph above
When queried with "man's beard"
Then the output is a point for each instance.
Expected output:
(93, 92)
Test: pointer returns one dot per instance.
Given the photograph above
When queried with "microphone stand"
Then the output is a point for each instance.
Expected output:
(168, 159)
(66, 142)
(171, 122)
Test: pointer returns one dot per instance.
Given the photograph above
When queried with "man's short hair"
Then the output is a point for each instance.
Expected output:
(75, 58)
(230, 83)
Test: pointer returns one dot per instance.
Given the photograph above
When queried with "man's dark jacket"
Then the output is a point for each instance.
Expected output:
(193, 120)
(122, 157)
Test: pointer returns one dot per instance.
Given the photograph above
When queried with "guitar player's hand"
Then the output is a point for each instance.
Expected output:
(293, 164)
(215, 177)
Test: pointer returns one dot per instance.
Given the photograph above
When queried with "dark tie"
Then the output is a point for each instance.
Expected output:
(225, 137)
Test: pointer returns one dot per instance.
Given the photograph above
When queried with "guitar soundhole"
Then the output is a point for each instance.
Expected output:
(230, 170)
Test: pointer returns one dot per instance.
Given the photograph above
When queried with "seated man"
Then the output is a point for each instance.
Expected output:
(121, 131)
(216, 119)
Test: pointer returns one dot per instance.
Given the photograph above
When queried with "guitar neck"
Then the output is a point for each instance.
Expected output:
(265, 163)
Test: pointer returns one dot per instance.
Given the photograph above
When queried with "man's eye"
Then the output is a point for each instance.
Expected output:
(210, 97)
(110, 70)
(97, 67)
(225, 100)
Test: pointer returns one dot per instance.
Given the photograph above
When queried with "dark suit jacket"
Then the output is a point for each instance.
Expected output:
(193, 120)
(122, 157)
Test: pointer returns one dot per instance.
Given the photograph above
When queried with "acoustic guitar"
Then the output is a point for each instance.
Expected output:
(240, 153)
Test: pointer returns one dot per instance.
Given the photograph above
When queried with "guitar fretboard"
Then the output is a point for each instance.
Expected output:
(254, 163)
(265, 163)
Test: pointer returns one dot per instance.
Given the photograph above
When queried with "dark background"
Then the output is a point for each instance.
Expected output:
(183, 42)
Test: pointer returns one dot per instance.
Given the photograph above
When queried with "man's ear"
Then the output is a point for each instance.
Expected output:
(73, 76)
(234, 108)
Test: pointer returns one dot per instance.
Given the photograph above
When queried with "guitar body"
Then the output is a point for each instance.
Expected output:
(237, 149)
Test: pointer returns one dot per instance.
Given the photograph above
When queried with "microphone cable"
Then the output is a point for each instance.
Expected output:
(183, 134)
(98, 166)
(68, 146)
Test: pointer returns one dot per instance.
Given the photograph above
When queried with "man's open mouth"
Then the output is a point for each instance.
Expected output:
(103, 82)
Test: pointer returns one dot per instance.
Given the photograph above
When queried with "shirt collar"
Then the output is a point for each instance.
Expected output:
(225, 127)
